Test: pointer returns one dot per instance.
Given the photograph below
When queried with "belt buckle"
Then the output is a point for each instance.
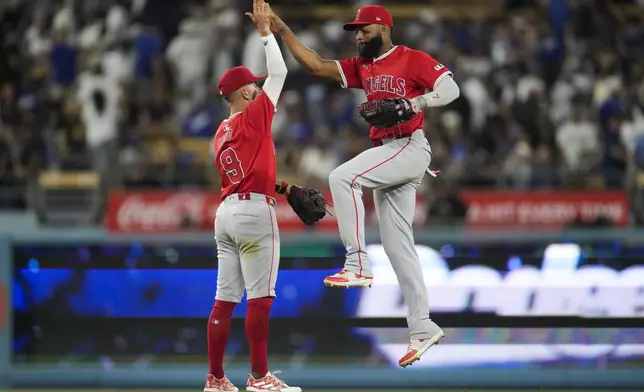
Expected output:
(244, 196)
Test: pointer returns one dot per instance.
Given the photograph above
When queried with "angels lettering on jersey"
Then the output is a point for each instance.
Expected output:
(385, 83)
(402, 72)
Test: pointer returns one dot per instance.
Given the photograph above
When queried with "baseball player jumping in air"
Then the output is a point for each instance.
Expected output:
(399, 83)
(248, 243)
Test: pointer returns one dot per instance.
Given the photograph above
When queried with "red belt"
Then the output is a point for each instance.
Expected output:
(378, 142)
(253, 196)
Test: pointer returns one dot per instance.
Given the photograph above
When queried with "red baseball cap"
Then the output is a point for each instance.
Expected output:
(371, 14)
(236, 78)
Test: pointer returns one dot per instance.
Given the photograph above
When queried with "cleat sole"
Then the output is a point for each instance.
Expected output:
(347, 285)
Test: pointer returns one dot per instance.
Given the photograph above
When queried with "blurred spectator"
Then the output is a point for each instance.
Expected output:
(91, 35)
(318, 160)
(116, 22)
(253, 56)
(63, 59)
(545, 174)
(11, 69)
(201, 120)
(148, 62)
(38, 38)
(187, 55)
(63, 17)
(9, 112)
(117, 63)
(516, 171)
(99, 96)
(10, 191)
(578, 141)
(614, 154)
(632, 130)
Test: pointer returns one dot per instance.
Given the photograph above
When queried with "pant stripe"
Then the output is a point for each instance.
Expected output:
(355, 204)
(270, 273)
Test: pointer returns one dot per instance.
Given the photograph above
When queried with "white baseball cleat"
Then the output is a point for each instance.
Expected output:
(347, 279)
(269, 383)
(214, 384)
(418, 347)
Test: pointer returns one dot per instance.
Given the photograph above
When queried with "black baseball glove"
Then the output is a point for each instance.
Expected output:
(386, 113)
(308, 204)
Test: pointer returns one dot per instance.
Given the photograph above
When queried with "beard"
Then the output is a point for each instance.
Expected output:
(255, 94)
(371, 48)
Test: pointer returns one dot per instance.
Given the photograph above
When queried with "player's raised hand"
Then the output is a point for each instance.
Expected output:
(261, 17)
(277, 24)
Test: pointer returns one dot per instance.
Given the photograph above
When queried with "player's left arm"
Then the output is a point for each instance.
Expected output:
(308, 203)
(436, 78)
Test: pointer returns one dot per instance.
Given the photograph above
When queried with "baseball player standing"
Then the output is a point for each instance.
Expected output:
(399, 83)
(248, 244)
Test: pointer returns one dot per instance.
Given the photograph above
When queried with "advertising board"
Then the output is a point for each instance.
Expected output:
(132, 301)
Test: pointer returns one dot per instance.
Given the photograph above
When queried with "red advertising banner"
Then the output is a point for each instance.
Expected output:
(543, 209)
(163, 212)
(168, 212)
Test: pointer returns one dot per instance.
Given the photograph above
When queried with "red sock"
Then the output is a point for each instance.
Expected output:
(257, 320)
(218, 332)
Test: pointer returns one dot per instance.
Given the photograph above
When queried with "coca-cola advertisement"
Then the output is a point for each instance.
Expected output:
(161, 211)
(167, 212)
(164, 212)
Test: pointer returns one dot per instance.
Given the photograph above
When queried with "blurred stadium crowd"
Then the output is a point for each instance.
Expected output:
(552, 92)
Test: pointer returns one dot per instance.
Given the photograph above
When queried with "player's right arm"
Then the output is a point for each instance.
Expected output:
(274, 60)
(282, 188)
(344, 71)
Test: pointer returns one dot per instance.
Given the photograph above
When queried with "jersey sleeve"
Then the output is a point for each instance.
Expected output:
(429, 71)
(350, 72)
(259, 114)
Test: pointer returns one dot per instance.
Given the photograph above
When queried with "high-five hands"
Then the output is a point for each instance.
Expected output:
(261, 16)
(276, 23)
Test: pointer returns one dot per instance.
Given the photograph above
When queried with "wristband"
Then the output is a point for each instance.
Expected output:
(281, 187)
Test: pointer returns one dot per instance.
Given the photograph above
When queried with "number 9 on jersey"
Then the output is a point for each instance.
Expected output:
(232, 165)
